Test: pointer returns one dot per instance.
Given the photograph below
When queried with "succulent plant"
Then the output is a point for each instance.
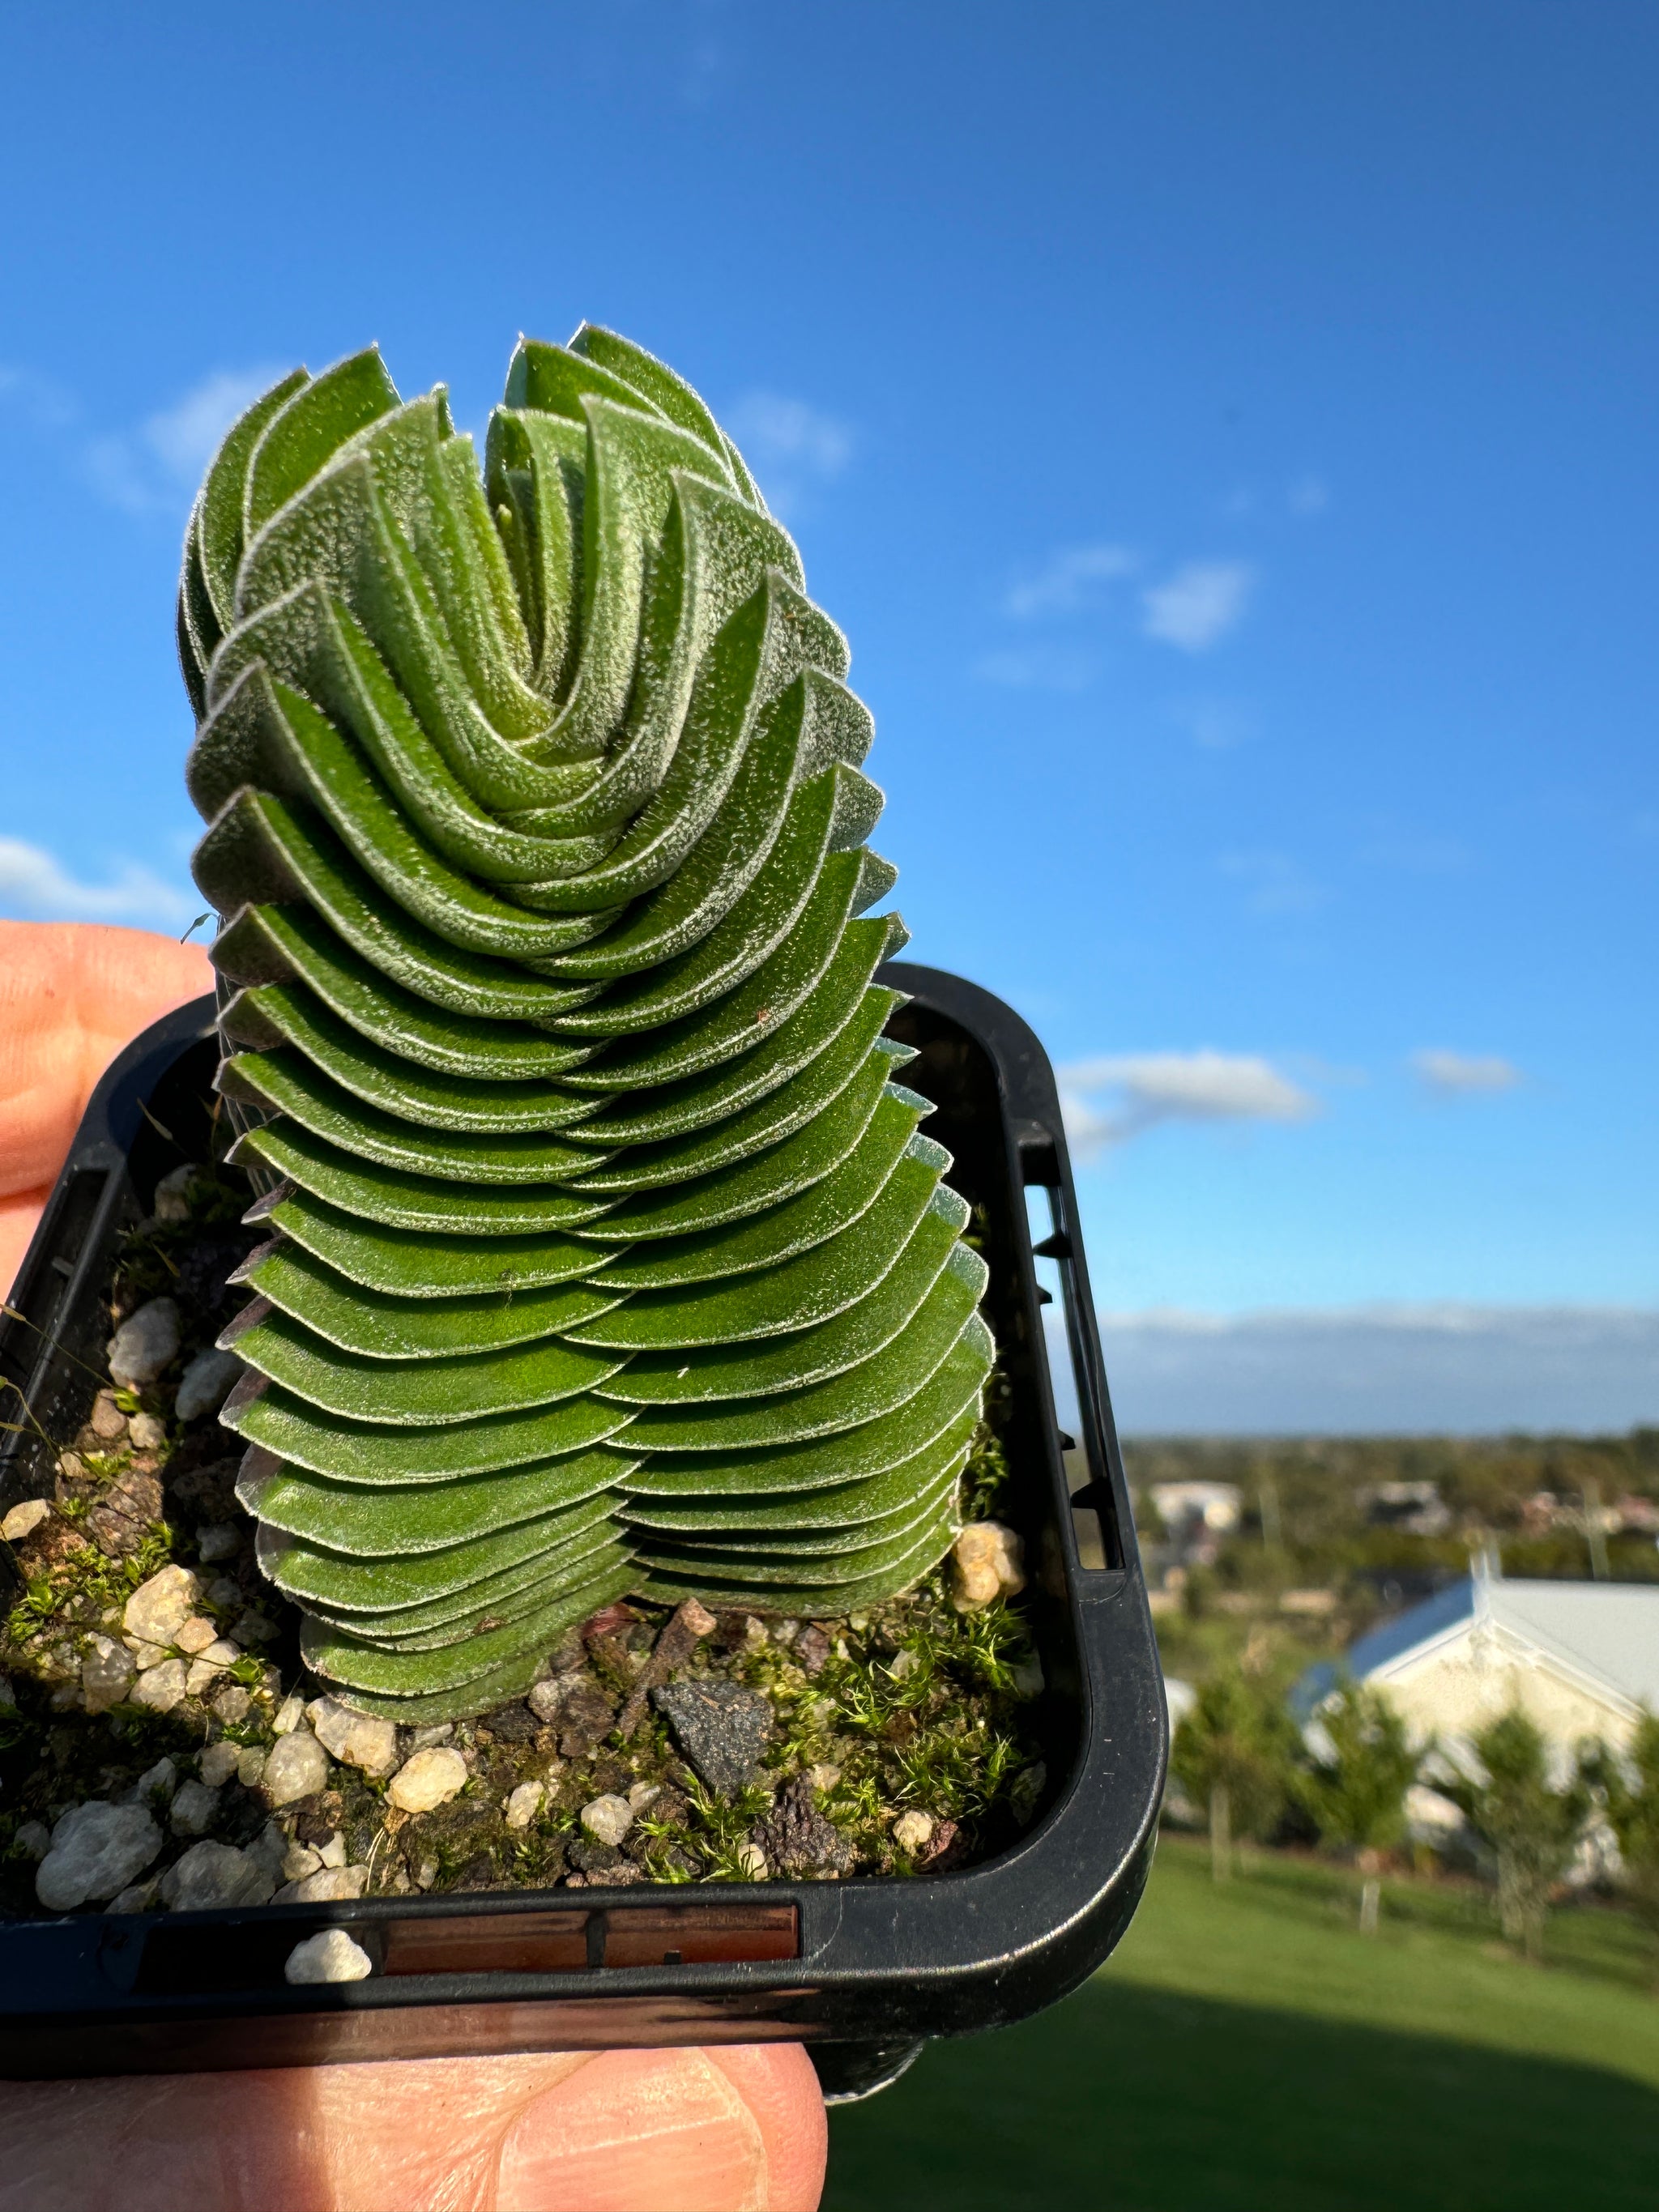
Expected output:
(607, 1253)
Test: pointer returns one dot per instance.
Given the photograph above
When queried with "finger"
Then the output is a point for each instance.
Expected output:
(616, 2132)
(72, 995)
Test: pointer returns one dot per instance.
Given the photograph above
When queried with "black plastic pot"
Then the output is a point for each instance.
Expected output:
(863, 1971)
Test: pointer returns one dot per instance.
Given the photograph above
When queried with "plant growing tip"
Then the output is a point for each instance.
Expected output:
(607, 1255)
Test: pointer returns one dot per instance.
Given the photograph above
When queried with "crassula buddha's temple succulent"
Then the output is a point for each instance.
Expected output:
(607, 1255)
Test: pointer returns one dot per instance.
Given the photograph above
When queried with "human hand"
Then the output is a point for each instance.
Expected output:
(740, 2130)
(72, 995)
(737, 2129)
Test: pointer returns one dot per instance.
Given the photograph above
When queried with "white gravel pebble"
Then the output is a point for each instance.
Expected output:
(289, 1715)
(297, 1767)
(430, 1778)
(326, 1887)
(545, 1697)
(161, 1687)
(155, 1784)
(251, 1767)
(608, 1818)
(356, 1739)
(205, 1384)
(173, 1193)
(333, 1852)
(640, 1795)
(159, 1608)
(194, 1634)
(987, 1562)
(23, 1520)
(34, 1839)
(139, 1898)
(208, 1664)
(422, 1739)
(330, 1956)
(219, 1539)
(524, 1803)
(752, 1859)
(146, 1433)
(96, 1850)
(146, 1343)
(218, 1763)
(193, 1807)
(107, 1671)
(210, 1874)
(913, 1832)
(298, 1860)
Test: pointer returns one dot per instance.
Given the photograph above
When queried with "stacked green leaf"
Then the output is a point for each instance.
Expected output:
(607, 1255)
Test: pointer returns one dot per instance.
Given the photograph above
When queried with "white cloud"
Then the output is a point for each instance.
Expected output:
(791, 447)
(1276, 884)
(1196, 606)
(1450, 1366)
(1140, 1090)
(45, 405)
(1464, 1074)
(1066, 581)
(35, 881)
(147, 469)
(1037, 668)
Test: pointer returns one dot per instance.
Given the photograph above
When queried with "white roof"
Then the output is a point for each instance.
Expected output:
(1609, 1631)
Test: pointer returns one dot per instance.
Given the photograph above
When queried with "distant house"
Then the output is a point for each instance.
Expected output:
(1581, 1658)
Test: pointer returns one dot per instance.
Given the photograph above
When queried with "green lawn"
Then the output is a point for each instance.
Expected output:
(1247, 2050)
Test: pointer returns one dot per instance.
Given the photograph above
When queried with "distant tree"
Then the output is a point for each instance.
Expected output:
(1530, 1823)
(1629, 1790)
(1232, 1754)
(1355, 1792)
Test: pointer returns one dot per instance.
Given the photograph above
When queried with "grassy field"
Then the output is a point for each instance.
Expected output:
(1248, 2051)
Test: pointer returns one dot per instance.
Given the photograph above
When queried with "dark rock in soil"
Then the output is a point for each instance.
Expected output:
(798, 1840)
(810, 1648)
(512, 1724)
(722, 1729)
(593, 1857)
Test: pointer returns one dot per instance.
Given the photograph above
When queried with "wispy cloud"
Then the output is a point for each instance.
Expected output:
(1464, 1074)
(36, 886)
(1308, 495)
(1215, 725)
(1107, 1101)
(41, 402)
(1037, 668)
(792, 448)
(1196, 606)
(1275, 883)
(1071, 579)
(143, 469)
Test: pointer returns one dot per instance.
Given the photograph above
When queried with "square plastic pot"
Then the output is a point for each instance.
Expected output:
(863, 1971)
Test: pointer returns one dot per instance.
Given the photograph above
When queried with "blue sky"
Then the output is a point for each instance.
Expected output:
(1226, 436)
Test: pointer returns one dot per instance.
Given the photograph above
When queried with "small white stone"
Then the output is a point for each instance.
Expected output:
(608, 1818)
(193, 1807)
(524, 1803)
(107, 1672)
(333, 1852)
(214, 1875)
(641, 1794)
(913, 1832)
(987, 1562)
(146, 1433)
(173, 1193)
(298, 1860)
(327, 1886)
(194, 1634)
(144, 1655)
(205, 1384)
(106, 1421)
(34, 1839)
(429, 1779)
(356, 1739)
(23, 1520)
(545, 1697)
(232, 1704)
(752, 1859)
(96, 1850)
(146, 1343)
(269, 1848)
(330, 1956)
(251, 1766)
(289, 1714)
(159, 1608)
(155, 1785)
(296, 1767)
(219, 1539)
(426, 1873)
(208, 1665)
(161, 1687)
(218, 1763)
(139, 1898)
(422, 1739)
(824, 1777)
